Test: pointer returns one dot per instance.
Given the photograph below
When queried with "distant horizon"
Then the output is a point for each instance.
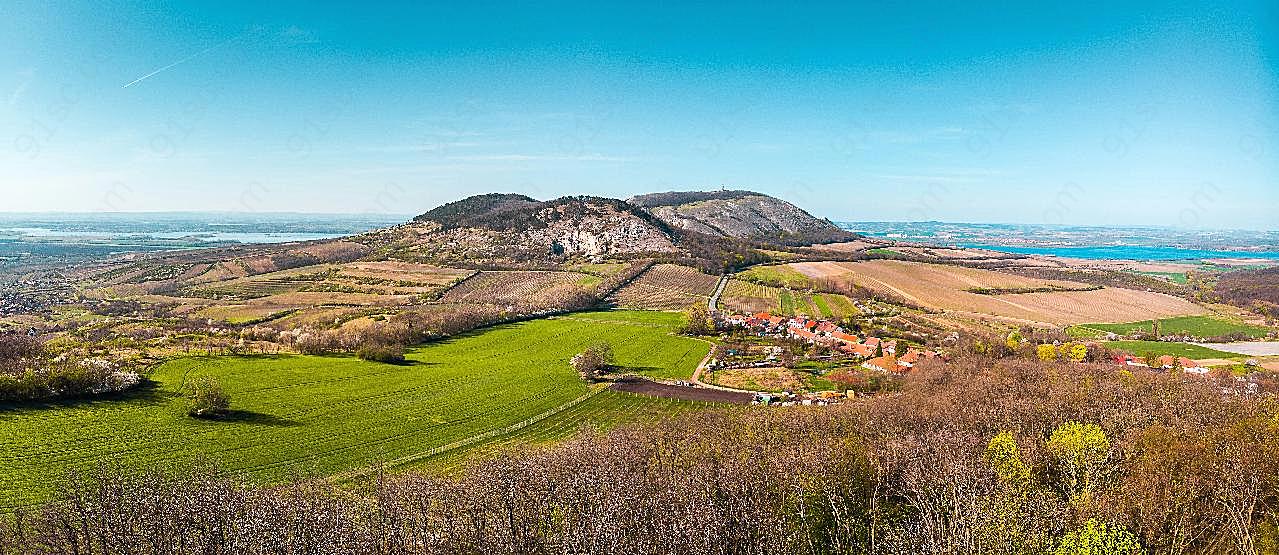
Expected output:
(410, 216)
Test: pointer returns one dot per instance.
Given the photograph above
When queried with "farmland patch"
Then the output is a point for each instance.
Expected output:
(949, 287)
(324, 415)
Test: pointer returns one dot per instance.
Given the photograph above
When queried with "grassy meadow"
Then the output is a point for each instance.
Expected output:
(1198, 326)
(1140, 348)
(316, 415)
(600, 412)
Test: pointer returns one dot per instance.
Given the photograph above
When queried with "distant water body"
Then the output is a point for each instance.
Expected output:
(1130, 252)
(1085, 242)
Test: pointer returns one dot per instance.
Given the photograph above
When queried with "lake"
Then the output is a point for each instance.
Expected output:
(1130, 252)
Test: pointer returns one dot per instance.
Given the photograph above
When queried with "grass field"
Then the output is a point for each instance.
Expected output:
(601, 412)
(323, 415)
(1140, 348)
(1198, 326)
(1175, 277)
(777, 276)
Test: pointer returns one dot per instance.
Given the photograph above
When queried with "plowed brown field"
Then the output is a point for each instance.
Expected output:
(946, 287)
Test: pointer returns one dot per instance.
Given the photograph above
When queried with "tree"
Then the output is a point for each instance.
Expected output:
(1002, 457)
(1099, 538)
(697, 322)
(208, 400)
(1152, 359)
(605, 353)
(1154, 327)
(1081, 452)
(592, 362)
(15, 348)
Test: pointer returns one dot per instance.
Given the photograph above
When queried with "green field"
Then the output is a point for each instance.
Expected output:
(600, 412)
(1175, 277)
(777, 276)
(1198, 326)
(323, 415)
(1140, 348)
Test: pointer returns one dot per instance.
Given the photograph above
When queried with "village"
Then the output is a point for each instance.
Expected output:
(798, 360)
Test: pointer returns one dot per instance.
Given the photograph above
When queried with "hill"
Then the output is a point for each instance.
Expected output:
(741, 215)
(517, 230)
(514, 230)
(479, 210)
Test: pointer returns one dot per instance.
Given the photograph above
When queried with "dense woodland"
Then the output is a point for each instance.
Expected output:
(1251, 288)
(983, 455)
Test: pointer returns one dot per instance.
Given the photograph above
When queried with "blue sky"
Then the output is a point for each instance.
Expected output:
(1164, 114)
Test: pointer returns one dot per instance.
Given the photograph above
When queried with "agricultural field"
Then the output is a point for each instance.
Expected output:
(1188, 350)
(666, 287)
(1197, 326)
(681, 355)
(776, 276)
(520, 287)
(370, 278)
(325, 415)
(849, 246)
(751, 297)
(950, 288)
(1175, 277)
(775, 379)
(747, 296)
(598, 413)
(237, 314)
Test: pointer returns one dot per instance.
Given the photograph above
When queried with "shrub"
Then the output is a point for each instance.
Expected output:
(378, 351)
(15, 348)
(208, 400)
(61, 378)
(1046, 353)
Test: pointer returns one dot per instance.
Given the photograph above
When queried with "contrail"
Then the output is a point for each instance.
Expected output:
(182, 61)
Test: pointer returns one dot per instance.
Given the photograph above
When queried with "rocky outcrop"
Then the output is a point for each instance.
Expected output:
(741, 215)
(514, 230)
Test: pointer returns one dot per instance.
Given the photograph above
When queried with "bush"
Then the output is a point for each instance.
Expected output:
(61, 379)
(389, 353)
(208, 400)
(1099, 538)
(15, 348)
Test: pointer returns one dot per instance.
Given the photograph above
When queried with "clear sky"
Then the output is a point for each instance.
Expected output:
(1076, 113)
